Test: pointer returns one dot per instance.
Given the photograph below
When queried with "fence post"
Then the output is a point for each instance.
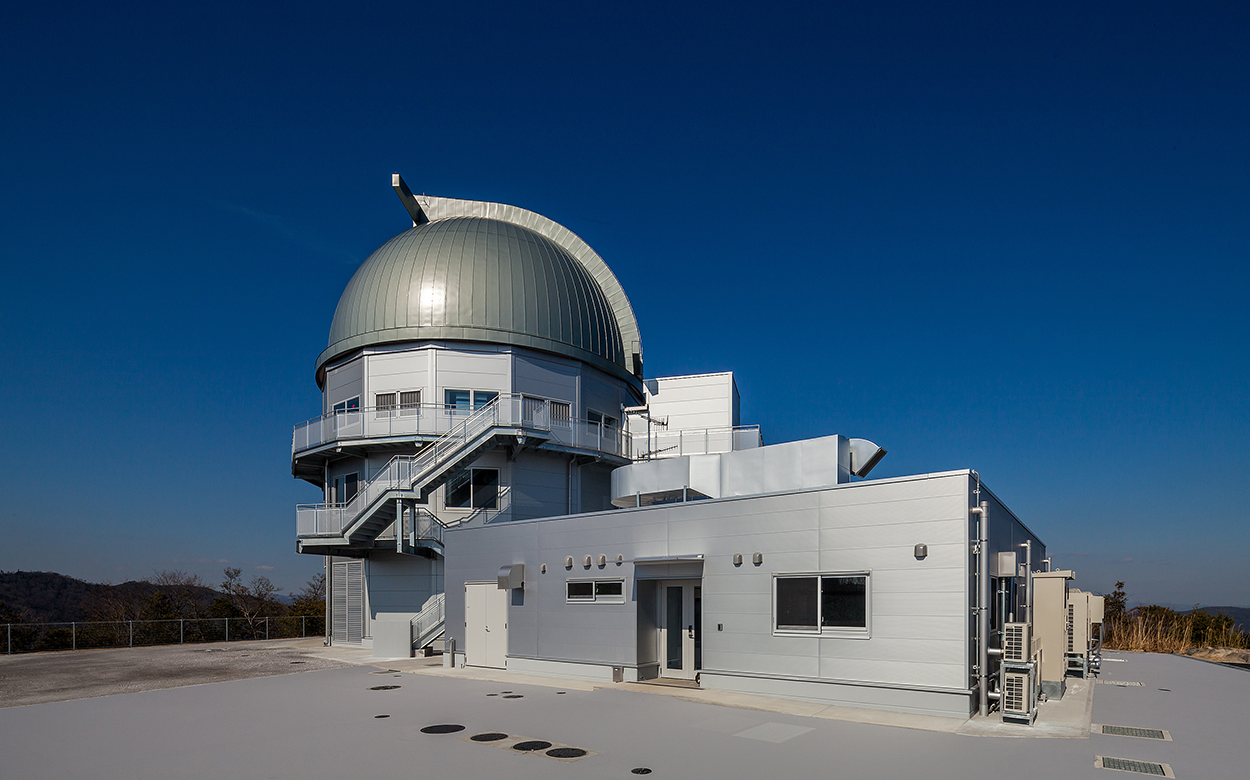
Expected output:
(9, 626)
(132, 633)
(181, 622)
(303, 627)
(227, 628)
(73, 634)
(266, 628)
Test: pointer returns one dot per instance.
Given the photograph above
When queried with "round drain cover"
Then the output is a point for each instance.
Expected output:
(566, 752)
(443, 728)
(381, 716)
(384, 687)
(514, 696)
(531, 744)
(490, 736)
(642, 770)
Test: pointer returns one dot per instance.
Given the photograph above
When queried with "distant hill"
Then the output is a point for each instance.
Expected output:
(1240, 615)
(47, 597)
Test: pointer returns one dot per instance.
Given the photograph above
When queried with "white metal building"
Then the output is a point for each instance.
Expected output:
(487, 434)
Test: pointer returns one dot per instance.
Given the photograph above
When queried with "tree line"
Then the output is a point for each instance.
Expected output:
(1157, 629)
(174, 607)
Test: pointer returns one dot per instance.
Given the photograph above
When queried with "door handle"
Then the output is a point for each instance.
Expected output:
(691, 630)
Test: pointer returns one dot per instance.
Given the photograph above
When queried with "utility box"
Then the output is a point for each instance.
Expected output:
(1085, 611)
(1004, 564)
(1050, 626)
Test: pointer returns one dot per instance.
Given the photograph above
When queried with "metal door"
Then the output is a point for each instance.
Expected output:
(485, 625)
(681, 630)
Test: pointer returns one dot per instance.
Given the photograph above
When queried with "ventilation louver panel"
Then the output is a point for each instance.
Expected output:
(355, 602)
(1071, 625)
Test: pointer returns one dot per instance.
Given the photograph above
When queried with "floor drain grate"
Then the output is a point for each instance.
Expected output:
(376, 717)
(443, 728)
(641, 770)
(385, 687)
(1129, 765)
(490, 736)
(566, 752)
(531, 745)
(1121, 683)
(514, 696)
(1132, 731)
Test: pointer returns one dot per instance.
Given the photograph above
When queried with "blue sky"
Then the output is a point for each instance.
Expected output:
(1009, 237)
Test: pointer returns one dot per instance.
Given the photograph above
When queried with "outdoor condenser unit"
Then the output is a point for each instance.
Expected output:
(1016, 642)
(1019, 694)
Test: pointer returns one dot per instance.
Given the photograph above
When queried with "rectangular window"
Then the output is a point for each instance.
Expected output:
(384, 404)
(834, 604)
(473, 489)
(457, 400)
(597, 591)
(559, 413)
(350, 405)
(482, 397)
(409, 401)
(600, 418)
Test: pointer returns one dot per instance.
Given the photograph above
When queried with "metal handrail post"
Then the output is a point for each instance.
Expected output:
(266, 628)
(73, 634)
(227, 628)
(181, 623)
(9, 626)
(303, 631)
(132, 633)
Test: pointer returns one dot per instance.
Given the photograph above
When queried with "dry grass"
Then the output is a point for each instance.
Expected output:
(1170, 633)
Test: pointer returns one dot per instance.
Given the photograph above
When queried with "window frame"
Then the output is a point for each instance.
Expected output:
(608, 422)
(471, 505)
(843, 632)
(595, 597)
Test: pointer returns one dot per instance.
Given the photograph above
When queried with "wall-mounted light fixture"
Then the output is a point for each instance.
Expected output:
(922, 551)
(603, 561)
(586, 562)
(757, 558)
(568, 562)
(737, 559)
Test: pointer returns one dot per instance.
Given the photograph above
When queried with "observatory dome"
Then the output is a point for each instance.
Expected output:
(482, 280)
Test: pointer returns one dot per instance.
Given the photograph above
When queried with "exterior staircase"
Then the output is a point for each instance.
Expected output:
(376, 506)
(430, 622)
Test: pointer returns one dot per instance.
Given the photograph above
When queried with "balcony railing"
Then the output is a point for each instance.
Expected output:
(439, 420)
(696, 441)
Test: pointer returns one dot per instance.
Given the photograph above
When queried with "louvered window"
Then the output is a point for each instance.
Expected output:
(560, 413)
(409, 401)
(385, 403)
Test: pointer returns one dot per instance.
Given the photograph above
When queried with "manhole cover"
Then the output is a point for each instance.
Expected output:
(566, 752)
(642, 770)
(384, 687)
(381, 716)
(490, 736)
(443, 728)
(531, 744)
(514, 696)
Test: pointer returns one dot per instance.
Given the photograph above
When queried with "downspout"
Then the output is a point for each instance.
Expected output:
(1028, 583)
(982, 610)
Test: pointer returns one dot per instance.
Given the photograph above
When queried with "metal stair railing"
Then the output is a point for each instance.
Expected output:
(430, 621)
(407, 472)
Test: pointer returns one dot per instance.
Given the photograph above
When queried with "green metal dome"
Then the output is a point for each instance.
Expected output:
(482, 280)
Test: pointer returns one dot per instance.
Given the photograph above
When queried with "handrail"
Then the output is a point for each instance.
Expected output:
(431, 616)
(435, 420)
(696, 441)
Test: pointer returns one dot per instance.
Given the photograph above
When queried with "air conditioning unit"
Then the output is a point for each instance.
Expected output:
(1016, 693)
(1016, 642)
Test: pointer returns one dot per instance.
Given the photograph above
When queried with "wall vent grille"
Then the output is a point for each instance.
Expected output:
(1071, 625)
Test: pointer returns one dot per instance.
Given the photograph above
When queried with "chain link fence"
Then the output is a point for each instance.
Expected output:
(38, 637)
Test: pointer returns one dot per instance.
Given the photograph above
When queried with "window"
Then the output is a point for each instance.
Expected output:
(462, 401)
(409, 401)
(350, 405)
(834, 604)
(599, 418)
(473, 489)
(385, 404)
(560, 413)
(597, 591)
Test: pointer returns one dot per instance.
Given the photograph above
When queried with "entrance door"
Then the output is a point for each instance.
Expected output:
(681, 629)
(485, 625)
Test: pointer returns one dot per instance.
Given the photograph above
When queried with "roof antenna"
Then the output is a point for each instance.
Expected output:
(409, 200)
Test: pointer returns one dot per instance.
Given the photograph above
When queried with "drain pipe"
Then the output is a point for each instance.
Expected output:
(982, 608)
(1028, 583)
